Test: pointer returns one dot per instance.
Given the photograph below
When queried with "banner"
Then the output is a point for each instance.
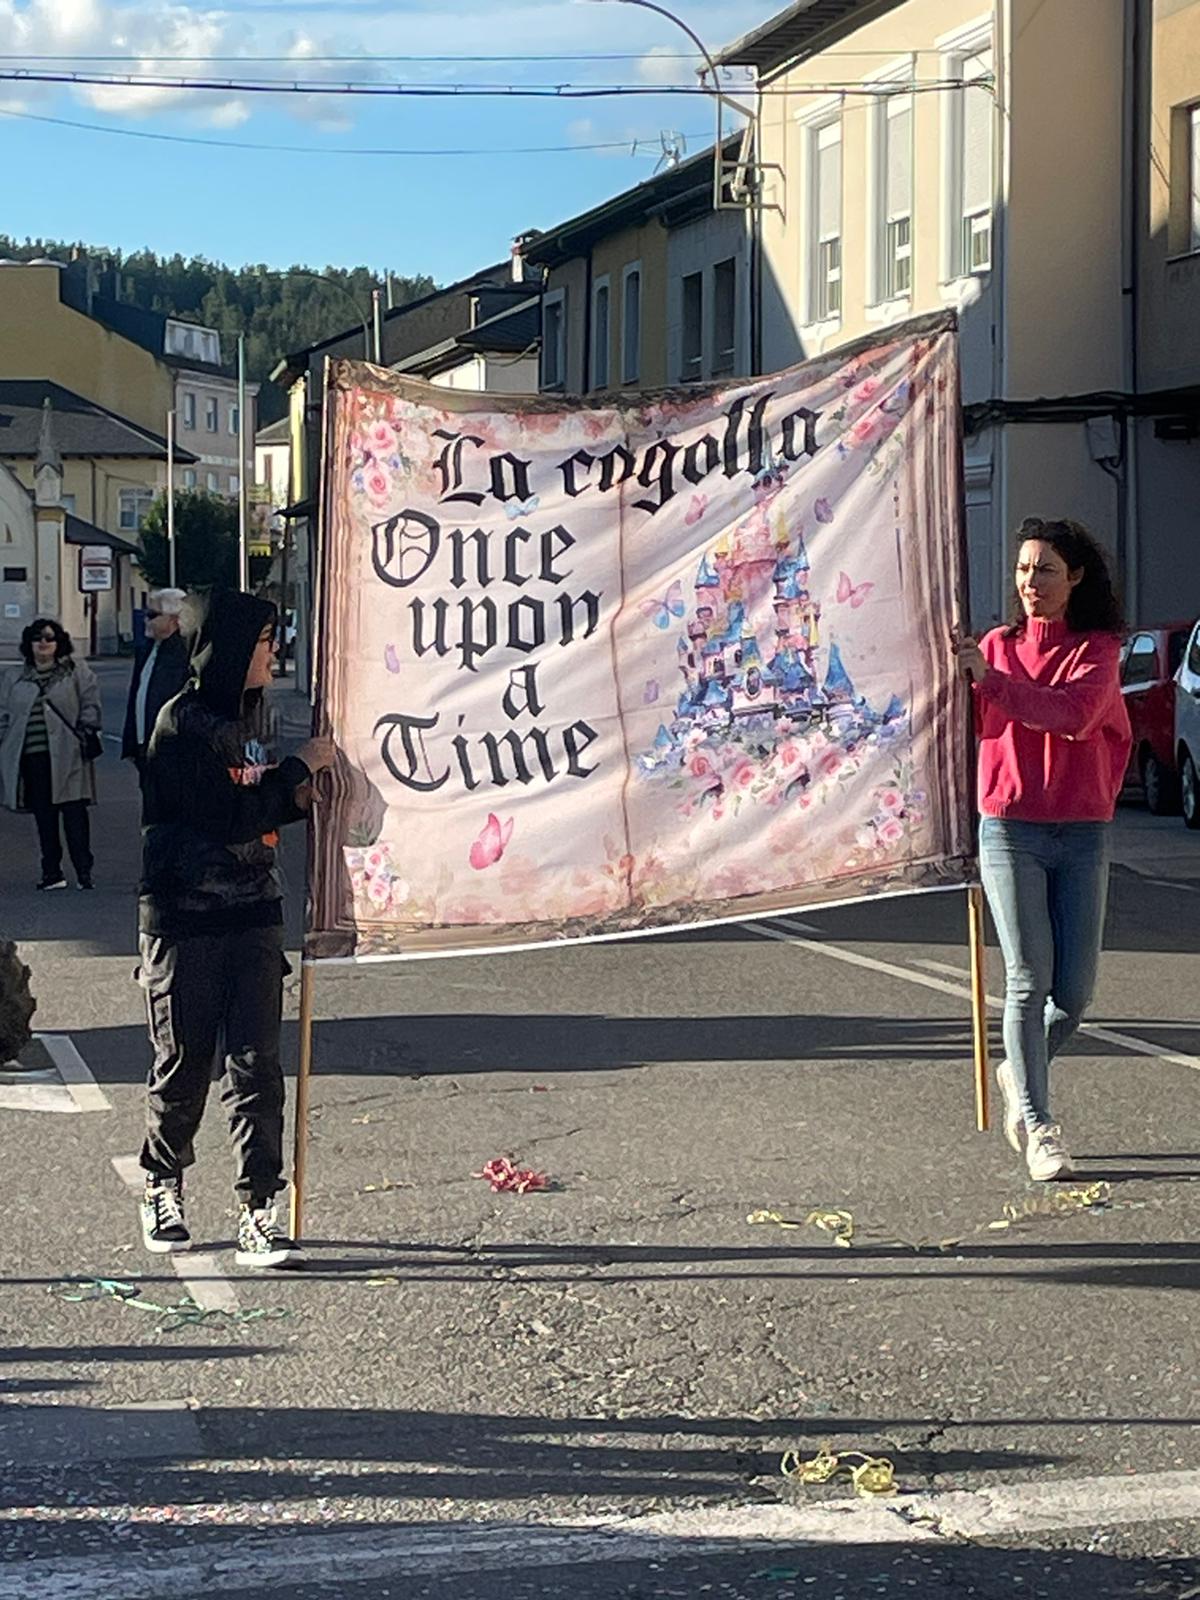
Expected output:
(625, 663)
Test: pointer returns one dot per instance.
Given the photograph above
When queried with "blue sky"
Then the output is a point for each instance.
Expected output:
(441, 215)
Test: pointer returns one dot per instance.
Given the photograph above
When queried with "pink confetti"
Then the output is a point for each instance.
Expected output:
(507, 1178)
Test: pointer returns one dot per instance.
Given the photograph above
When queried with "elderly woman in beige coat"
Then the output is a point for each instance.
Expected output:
(46, 706)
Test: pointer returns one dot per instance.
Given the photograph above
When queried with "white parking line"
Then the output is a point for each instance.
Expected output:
(261, 1563)
(73, 1070)
(960, 991)
(200, 1273)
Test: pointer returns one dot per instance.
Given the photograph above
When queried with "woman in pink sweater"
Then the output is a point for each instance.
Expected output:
(1053, 747)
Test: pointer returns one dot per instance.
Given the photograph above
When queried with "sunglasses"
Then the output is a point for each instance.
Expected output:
(152, 616)
(45, 638)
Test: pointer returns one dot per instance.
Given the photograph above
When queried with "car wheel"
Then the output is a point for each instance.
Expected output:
(1189, 785)
(1159, 786)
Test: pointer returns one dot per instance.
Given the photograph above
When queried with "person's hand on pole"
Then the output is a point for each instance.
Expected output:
(969, 656)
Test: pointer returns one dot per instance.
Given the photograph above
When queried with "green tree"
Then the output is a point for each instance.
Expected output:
(206, 542)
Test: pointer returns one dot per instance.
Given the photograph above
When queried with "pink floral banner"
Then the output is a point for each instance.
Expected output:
(621, 664)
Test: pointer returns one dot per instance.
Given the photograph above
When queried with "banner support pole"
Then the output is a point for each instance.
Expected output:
(979, 1036)
(303, 1074)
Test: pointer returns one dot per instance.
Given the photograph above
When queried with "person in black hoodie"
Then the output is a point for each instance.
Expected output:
(211, 924)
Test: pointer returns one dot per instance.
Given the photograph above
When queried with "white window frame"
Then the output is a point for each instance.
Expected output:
(823, 114)
(233, 420)
(132, 506)
(555, 297)
(956, 49)
(212, 410)
(212, 482)
(883, 306)
(189, 477)
(600, 366)
(631, 371)
(189, 409)
(235, 483)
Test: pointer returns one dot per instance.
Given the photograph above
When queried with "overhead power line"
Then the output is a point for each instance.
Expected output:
(462, 91)
(652, 147)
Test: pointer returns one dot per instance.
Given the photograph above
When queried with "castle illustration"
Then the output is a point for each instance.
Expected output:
(753, 651)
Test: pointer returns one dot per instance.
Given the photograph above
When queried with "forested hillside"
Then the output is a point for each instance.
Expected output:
(277, 310)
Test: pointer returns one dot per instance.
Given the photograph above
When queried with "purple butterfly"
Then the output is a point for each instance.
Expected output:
(390, 659)
(651, 692)
(823, 511)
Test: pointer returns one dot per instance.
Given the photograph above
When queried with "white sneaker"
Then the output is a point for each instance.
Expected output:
(1014, 1122)
(1047, 1156)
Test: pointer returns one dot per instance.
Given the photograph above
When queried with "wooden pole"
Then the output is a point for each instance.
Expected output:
(304, 1072)
(978, 1004)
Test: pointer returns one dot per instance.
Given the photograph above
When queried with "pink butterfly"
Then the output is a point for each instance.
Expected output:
(490, 845)
(661, 611)
(390, 659)
(696, 510)
(848, 591)
(651, 692)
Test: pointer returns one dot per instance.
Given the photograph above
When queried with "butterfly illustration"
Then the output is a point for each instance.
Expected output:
(651, 692)
(855, 594)
(390, 659)
(512, 512)
(491, 843)
(696, 510)
(823, 511)
(897, 402)
(661, 611)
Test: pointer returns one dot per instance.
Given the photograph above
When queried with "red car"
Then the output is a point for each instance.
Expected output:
(1149, 662)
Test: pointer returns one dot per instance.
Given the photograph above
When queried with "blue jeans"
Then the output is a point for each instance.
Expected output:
(1046, 884)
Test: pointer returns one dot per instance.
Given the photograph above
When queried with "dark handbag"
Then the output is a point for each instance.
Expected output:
(91, 746)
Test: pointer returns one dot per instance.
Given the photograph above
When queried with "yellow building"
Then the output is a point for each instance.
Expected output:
(44, 335)
(106, 471)
(928, 153)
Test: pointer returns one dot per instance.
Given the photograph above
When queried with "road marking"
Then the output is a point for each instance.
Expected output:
(258, 1563)
(960, 991)
(1169, 883)
(73, 1070)
(201, 1274)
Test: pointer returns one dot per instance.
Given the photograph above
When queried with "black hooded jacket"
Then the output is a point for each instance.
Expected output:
(212, 801)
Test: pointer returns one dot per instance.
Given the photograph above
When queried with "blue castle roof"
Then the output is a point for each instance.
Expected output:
(837, 679)
(790, 673)
(707, 576)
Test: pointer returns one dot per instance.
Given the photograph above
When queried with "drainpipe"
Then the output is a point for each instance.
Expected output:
(1135, 136)
(1001, 187)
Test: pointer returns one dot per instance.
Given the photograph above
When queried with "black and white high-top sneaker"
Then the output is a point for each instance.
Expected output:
(163, 1227)
(262, 1240)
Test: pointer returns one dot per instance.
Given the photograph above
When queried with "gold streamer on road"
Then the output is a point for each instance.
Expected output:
(869, 1475)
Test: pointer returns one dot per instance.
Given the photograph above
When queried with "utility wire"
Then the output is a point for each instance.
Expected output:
(634, 146)
(509, 91)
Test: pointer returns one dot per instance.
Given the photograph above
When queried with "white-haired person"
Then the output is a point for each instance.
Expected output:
(160, 671)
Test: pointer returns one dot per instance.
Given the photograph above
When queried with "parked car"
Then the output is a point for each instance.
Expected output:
(1187, 729)
(1150, 660)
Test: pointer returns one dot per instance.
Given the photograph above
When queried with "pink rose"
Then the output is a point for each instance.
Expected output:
(863, 430)
(891, 831)
(891, 800)
(829, 764)
(379, 891)
(382, 438)
(701, 766)
(866, 390)
(743, 774)
(378, 484)
(789, 755)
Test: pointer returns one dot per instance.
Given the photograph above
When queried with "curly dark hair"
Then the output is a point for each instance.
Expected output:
(62, 639)
(1094, 606)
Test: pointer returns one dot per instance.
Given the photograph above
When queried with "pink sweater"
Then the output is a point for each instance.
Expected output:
(1053, 730)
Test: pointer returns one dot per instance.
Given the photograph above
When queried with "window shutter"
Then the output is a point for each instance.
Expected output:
(899, 158)
(977, 138)
(829, 181)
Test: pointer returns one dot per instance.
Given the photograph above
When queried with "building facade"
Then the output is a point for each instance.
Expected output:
(649, 289)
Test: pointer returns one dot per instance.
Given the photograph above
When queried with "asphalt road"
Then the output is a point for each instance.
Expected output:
(589, 1391)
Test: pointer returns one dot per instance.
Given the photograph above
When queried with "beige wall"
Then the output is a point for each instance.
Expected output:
(42, 338)
(1169, 282)
(17, 549)
(646, 244)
